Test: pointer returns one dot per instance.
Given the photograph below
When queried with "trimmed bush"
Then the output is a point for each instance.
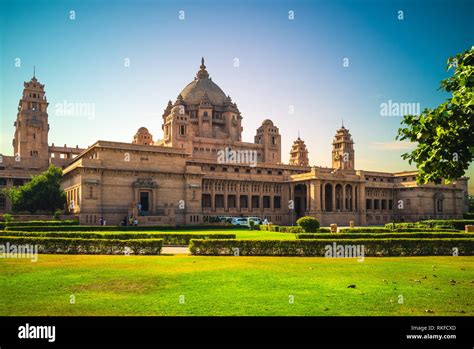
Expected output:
(468, 215)
(7, 217)
(110, 228)
(457, 224)
(55, 223)
(453, 223)
(419, 235)
(317, 247)
(2, 225)
(88, 246)
(168, 238)
(398, 230)
(309, 224)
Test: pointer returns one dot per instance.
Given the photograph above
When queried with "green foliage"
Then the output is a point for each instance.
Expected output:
(59, 227)
(168, 238)
(417, 235)
(7, 218)
(308, 224)
(458, 224)
(42, 193)
(317, 247)
(57, 215)
(251, 224)
(445, 135)
(399, 230)
(470, 200)
(88, 246)
(65, 222)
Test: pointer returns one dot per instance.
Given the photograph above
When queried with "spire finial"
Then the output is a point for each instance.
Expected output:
(202, 73)
(34, 71)
(298, 134)
(343, 122)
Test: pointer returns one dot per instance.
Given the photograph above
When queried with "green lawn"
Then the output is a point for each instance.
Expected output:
(240, 233)
(152, 285)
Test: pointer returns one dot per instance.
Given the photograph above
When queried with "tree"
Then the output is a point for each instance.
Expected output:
(445, 135)
(42, 193)
(308, 224)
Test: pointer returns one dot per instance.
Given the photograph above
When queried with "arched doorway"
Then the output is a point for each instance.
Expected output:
(300, 200)
(328, 197)
(348, 200)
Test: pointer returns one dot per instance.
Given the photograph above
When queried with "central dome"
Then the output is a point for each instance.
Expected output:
(202, 85)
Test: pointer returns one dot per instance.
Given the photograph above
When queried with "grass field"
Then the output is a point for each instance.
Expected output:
(138, 285)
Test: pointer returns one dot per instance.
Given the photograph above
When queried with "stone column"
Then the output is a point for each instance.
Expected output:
(323, 196)
(353, 191)
(343, 206)
(334, 198)
(362, 210)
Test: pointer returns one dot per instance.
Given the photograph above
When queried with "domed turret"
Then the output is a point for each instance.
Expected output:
(143, 137)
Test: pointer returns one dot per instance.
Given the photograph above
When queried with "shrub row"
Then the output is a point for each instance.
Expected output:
(457, 224)
(289, 229)
(109, 228)
(398, 230)
(454, 223)
(87, 246)
(317, 247)
(417, 235)
(66, 222)
(168, 238)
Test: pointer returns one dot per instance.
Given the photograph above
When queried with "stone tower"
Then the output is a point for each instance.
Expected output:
(176, 127)
(343, 150)
(269, 136)
(299, 153)
(31, 125)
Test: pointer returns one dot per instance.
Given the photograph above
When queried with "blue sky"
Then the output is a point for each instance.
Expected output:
(283, 64)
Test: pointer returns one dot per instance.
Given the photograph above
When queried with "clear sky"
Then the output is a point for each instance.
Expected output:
(284, 65)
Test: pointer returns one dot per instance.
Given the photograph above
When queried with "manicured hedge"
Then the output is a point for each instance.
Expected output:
(289, 229)
(66, 222)
(112, 228)
(317, 247)
(418, 235)
(2, 225)
(168, 238)
(399, 230)
(88, 246)
(455, 223)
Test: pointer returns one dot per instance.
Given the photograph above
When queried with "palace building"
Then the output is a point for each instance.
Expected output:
(202, 169)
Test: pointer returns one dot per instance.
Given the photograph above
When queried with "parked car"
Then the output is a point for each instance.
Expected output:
(240, 221)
